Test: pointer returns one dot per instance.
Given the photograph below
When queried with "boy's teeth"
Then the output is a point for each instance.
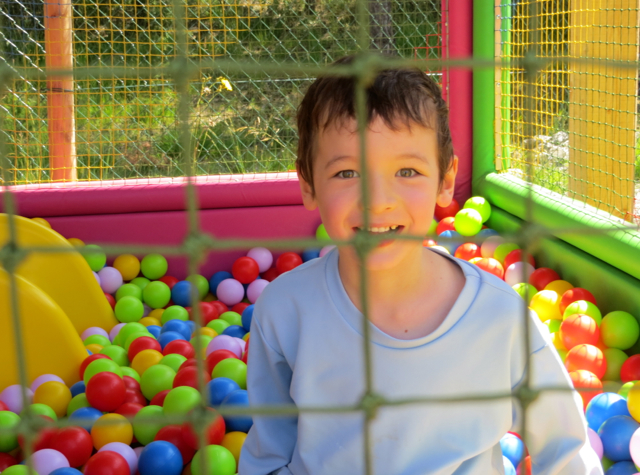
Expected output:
(382, 230)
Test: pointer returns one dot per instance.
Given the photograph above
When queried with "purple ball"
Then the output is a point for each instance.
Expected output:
(113, 333)
(94, 331)
(138, 451)
(242, 343)
(110, 279)
(325, 250)
(255, 289)
(46, 461)
(224, 342)
(45, 378)
(262, 256)
(95, 274)
(12, 397)
(126, 451)
(146, 310)
(230, 292)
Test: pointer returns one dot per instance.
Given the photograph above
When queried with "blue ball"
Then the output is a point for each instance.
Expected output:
(235, 331)
(603, 406)
(487, 232)
(309, 254)
(509, 469)
(160, 458)
(616, 434)
(165, 338)
(448, 245)
(155, 330)
(237, 423)
(89, 351)
(178, 326)
(247, 316)
(512, 448)
(217, 278)
(78, 388)
(220, 388)
(192, 326)
(66, 471)
(86, 417)
(622, 468)
(181, 293)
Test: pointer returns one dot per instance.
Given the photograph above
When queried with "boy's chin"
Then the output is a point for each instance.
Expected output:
(392, 256)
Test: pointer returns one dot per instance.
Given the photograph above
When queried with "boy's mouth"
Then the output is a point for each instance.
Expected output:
(380, 230)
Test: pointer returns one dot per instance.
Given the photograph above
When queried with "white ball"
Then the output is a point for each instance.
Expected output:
(489, 245)
(516, 273)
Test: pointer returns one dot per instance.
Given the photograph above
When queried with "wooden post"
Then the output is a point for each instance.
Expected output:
(60, 108)
(602, 104)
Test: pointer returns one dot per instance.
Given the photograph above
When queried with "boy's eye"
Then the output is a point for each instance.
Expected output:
(347, 174)
(407, 173)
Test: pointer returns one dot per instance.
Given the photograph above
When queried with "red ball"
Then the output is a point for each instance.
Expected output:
(579, 329)
(588, 358)
(516, 256)
(173, 434)
(216, 357)
(491, 265)
(527, 466)
(135, 397)
(189, 362)
(245, 357)
(209, 311)
(288, 261)
(245, 270)
(270, 274)
(74, 443)
(587, 384)
(6, 461)
(106, 391)
(240, 307)
(189, 377)
(3, 407)
(630, 370)
(449, 211)
(129, 409)
(539, 278)
(446, 224)
(573, 295)
(179, 347)
(111, 300)
(169, 280)
(42, 440)
(214, 431)
(88, 360)
(107, 463)
(158, 399)
(143, 343)
(468, 251)
(221, 306)
(130, 383)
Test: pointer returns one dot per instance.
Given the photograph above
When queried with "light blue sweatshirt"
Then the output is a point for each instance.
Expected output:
(306, 349)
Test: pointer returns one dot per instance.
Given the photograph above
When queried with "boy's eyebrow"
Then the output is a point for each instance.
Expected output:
(337, 159)
(415, 155)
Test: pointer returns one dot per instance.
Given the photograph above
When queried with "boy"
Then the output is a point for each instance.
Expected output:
(439, 326)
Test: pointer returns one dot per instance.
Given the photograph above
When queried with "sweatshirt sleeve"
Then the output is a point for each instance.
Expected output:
(271, 440)
(556, 429)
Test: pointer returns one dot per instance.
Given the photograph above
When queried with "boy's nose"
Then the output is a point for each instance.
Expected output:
(381, 194)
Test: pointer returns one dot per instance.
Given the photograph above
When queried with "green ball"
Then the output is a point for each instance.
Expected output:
(201, 283)
(77, 402)
(156, 295)
(181, 400)
(232, 318)
(40, 410)
(99, 339)
(117, 354)
(155, 379)
(503, 251)
(19, 470)
(321, 234)
(626, 387)
(606, 463)
(130, 328)
(619, 330)
(98, 366)
(147, 423)
(153, 266)
(218, 460)
(468, 222)
(8, 440)
(175, 312)
(173, 361)
(526, 291)
(481, 205)
(204, 341)
(433, 227)
(141, 282)
(231, 368)
(218, 325)
(128, 290)
(553, 325)
(134, 336)
(96, 259)
(129, 309)
(562, 354)
(615, 358)
(132, 373)
(583, 307)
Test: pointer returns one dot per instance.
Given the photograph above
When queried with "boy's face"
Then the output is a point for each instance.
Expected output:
(404, 187)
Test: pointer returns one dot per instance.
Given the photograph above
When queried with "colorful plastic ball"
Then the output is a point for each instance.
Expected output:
(255, 289)
(615, 360)
(111, 428)
(502, 250)
(262, 256)
(488, 247)
(177, 326)
(245, 270)
(468, 251)
(110, 279)
(230, 291)
(54, 394)
(481, 205)
(12, 397)
(125, 451)
(595, 442)
(218, 355)
(579, 329)
(173, 361)
(165, 338)
(66, 471)
(85, 417)
(217, 278)
(145, 359)
(6, 461)
(517, 256)
(175, 312)
(526, 291)
(173, 434)
(633, 400)
(625, 388)
(116, 353)
(154, 330)
(141, 282)
(155, 379)
(8, 423)
(233, 369)
(74, 443)
(106, 391)
(94, 256)
(450, 210)
(128, 290)
(468, 222)
(518, 273)
(225, 342)
(509, 469)
(235, 331)
(616, 433)
(450, 240)
(247, 316)
(603, 406)
(142, 343)
(147, 422)
(587, 385)
(189, 377)
(624, 467)
(233, 318)
(308, 254)
(490, 265)
(19, 470)
(181, 293)
(285, 262)
(156, 294)
(181, 400)
(46, 461)
(237, 423)
(545, 304)
(542, 277)
(233, 442)
(218, 325)
(575, 294)
(128, 265)
(220, 388)
(512, 448)
(446, 224)
(180, 347)
(96, 339)
(619, 330)
(217, 459)
(40, 410)
(584, 307)
(44, 379)
(153, 266)
(586, 357)
(107, 463)
(77, 388)
(201, 283)
(129, 309)
(214, 429)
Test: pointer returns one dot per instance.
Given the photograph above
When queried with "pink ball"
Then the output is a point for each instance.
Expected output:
(12, 397)
(262, 256)
(513, 275)
(138, 451)
(126, 451)
(224, 342)
(94, 331)
(255, 289)
(146, 310)
(596, 443)
(46, 461)
(230, 292)
(110, 279)
(113, 333)
(95, 274)
(45, 378)
(326, 249)
(242, 343)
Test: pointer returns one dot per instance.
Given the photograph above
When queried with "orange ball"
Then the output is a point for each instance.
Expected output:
(491, 265)
(468, 251)
(588, 358)
(587, 384)
(578, 329)
(111, 428)
(445, 224)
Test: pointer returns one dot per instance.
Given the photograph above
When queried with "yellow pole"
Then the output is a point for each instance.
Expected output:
(60, 108)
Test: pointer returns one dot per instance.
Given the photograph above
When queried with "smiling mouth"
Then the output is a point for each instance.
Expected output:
(380, 231)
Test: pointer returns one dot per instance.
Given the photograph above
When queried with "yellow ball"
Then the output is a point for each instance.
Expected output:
(75, 242)
(42, 222)
(559, 287)
(557, 341)
(157, 314)
(145, 360)
(209, 297)
(149, 320)
(128, 265)
(233, 442)
(111, 428)
(54, 394)
(546, 304)
(475, 260)
(633, 401)
(206, 331)
(94, 348)
(246, 336)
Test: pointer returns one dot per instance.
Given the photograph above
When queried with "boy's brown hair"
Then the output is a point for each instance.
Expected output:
(407, 95)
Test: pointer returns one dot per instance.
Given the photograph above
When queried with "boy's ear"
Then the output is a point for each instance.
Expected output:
(308, 196)
(445, 195)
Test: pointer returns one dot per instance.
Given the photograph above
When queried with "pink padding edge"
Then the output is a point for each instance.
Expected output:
(159, 194)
